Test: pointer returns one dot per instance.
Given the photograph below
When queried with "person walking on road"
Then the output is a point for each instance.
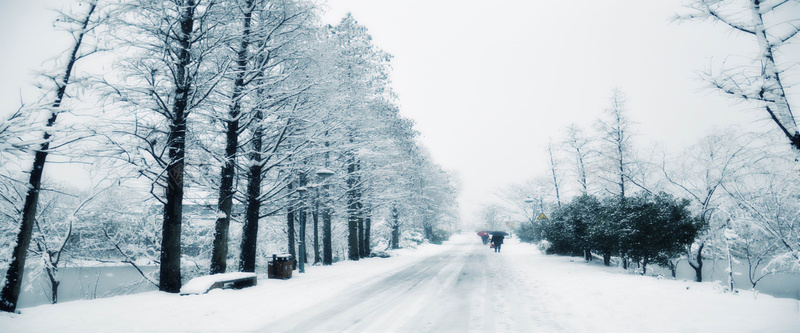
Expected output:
(497, 240)
(484, 236)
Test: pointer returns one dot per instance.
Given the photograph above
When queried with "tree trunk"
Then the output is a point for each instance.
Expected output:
(367, 227)
(360, 226)
(395, 228)
(555, 179)
(301, 237)
(170, 271)
(315, 217)
(327, 246)
(352, 208)
(290, 223)
(247, 255)
(607, 259)
(777, 104)
(302, 210)
(16, 268)
(644, 265)
(582, 173)
(428, 232)
(673, 268)
(54, 288)
(170, 278)
(219, 251)
(698, 267)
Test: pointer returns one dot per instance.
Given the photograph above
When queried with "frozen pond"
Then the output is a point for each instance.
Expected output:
(778, 285)
(86, 283)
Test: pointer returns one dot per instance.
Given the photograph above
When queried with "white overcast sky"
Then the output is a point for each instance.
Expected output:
(490, 82)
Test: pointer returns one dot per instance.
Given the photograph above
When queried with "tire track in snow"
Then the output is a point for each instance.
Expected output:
(361, 307)
(468, 288)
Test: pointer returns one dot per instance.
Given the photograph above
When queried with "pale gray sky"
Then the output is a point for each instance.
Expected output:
(490, 82)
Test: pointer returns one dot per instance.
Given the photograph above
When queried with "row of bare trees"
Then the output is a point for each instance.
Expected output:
(250, 108)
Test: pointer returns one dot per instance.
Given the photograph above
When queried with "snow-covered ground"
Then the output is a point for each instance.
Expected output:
(459, 286)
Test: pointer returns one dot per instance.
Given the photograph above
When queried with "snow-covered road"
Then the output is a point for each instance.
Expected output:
(461, 286)
(466, 288)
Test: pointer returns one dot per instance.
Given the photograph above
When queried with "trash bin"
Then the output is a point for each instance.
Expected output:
(280, 267)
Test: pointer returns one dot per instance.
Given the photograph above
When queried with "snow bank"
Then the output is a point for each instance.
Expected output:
(593, 298)
(202, 284)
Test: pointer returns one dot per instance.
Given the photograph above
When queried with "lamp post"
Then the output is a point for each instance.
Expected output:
(322, 175)
(530, 200)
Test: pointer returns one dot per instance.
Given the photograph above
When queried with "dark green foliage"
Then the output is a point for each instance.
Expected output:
(646, 228)
(528, 232)
(661, 227)
(439, 235)
(569, 229)
(608, 234)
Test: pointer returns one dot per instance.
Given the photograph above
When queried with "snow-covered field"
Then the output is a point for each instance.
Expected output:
(458, 286)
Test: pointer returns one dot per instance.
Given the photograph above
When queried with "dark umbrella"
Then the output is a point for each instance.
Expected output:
(483, 233)
(498, 233)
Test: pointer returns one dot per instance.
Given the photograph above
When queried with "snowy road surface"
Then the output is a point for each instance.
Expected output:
(468, 287)
(461, 286)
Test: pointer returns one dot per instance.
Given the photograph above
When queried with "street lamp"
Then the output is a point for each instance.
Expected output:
(322, 175)
(530, 200)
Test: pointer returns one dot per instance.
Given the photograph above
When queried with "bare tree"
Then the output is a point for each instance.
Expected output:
(219, 253)
(80, 26)
(491, 217)
(169, 75)
(773, 25)
(578, 145)
(700, 173)
(616, 135)
(54, 229)
(766, 195)
(553, 168)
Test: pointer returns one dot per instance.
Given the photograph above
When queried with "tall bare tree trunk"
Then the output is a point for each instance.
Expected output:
(553, 169)
(290, 222)
(247, 256)
(170, 271)
(219, 251)
(327, 246)
(777, 105)
(360, 231)
(352, 207)
(367, 226)
(16, 268)
(315, 218)
(395, 228)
